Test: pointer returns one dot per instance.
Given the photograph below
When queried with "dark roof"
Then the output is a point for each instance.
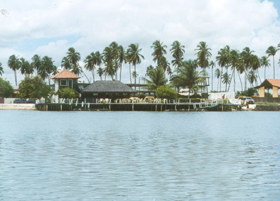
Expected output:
(65, 74)
(269, 83)
(108, 87)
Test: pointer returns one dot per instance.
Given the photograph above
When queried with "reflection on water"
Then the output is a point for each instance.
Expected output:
(139, 156)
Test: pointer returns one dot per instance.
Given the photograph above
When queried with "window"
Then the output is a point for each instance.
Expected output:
(63, 82)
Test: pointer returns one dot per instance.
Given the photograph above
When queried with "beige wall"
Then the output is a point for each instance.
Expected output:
(261, 92)
(275, 92)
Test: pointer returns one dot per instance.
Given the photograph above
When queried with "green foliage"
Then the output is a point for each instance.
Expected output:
(157, 78)
(67, 93)
(268, 95)
(33, 87)
(249, 92)
(166, 92)
(5, 88)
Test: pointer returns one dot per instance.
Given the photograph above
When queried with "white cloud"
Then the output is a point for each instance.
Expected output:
(237, 23)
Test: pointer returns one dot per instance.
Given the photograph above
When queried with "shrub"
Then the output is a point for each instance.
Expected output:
(166, 92)
(33, 87)
(6, 90)
(67, 93)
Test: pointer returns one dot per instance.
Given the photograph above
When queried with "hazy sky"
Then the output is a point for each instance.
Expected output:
(50, 27)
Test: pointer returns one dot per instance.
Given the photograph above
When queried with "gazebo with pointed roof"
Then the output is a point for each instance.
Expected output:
(273, 84)
(65, 79)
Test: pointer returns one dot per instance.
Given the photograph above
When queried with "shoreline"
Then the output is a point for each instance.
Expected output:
(17, 107)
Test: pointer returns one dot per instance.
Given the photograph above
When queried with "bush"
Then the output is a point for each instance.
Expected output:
(166, 92)
(67, 93)
(34, 88)
(6, 90)
(249, 92)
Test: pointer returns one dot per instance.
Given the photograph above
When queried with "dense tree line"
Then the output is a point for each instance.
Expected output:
(109, 63)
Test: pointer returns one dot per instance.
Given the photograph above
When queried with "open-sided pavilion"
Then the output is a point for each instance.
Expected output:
(273, 84)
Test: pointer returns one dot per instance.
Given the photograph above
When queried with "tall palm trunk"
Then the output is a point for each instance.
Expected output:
(218, 84)
(259, 76)
(135, 76)
(221, 80)
(120, 73)
(130, 73)
(212, 78)
(273, 68)
(15, 76)
(240, 80)
(264, 72)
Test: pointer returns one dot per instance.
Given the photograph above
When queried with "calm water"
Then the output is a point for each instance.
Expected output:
(139, 155)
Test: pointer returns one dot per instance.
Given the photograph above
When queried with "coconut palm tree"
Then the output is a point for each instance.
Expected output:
(135, 56)
(212, 63)
(240, 68)
(187, 76)
(226, 79)
(1, 69)
(159, 50)
(222, 60)
(203, 55)
(265, 63)
(164, 64)
(90, 62)
(46, 68)
(23, 65)
(218, 75)
(233, 61)
(121, 59)
(256, 64)
(100, 72)
(13, 64)
(134, 74)
(156, 78)
(66, 64)
(252, 77)
(108, 59)
(149, 70)
(271, 51)
(36, 62)
(115, 57)
(177, 51)
(128, 59)
(247, 56)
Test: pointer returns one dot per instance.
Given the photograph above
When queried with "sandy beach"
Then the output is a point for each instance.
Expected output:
(17, 107)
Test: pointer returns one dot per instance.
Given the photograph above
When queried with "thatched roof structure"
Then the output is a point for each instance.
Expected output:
(101, 86)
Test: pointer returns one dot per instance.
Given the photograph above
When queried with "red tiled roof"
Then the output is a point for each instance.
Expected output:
(65, 74)
(274, 82)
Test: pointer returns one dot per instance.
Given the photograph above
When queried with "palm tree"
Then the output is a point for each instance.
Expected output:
(13, 64)
(218, 75)
(256, 64)
(156, 78)
(36, 62)
(203, 55)
(90, 62)
(135, 56)
(115, 57)
(212, 63)
(187, 76)
(100, 72)
(25, 67)
(159, 50)
(1, 69)
(149, 70)
(247, 58)
(177, 51)
(134, 74)
(252, 77)
(46, 68)
(108, 58)
(66, 64)
(128, 60)
(121, 59)
(265, 63)
(233, 61)
(222, 60)
(271, 51)
(225, 79)
(74, 58)
(164, 64)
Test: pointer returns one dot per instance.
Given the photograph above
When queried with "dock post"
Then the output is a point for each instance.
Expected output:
(132, 107)
(161, 107)
(156, 108)
(109, 106)
(175, 108)
(46, 107)
(60, 107)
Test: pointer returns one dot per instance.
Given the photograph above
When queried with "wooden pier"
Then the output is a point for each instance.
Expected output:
(135, 107)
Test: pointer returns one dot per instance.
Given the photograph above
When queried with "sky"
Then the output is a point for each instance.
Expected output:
(50, 27)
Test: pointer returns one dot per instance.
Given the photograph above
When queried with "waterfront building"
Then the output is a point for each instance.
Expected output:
(65, 79)
(107, 89)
